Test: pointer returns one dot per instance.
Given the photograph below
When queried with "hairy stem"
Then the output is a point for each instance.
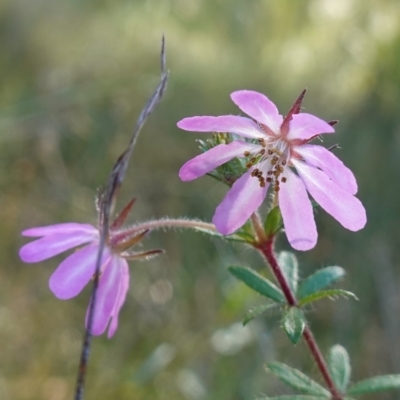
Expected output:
(266, 246)
(169, 223)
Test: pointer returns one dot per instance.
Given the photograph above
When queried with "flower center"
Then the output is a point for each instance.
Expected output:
(270, 162)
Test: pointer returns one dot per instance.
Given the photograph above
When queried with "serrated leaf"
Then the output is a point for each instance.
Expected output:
(339, 367)
(294, 397)
(294, 324)
(297, 380)
(273, 222)
(257, 282)
(257, 311)
(330, 293)
(320, 280)
(376, 384)
(290, 267)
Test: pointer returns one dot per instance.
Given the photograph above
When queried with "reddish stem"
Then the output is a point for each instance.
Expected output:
(265, 246)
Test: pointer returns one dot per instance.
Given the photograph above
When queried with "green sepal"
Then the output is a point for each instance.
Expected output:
(294, 323)
(290, 268)
(320, 280)
(273, 222)
(294, 397)
(339, 367)
(322, 294)
(376, 384)
(257, 282)
(296, 379)
(257, 311)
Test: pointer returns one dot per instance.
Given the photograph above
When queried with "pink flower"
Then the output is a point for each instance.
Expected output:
(278, 145)
(78, 269)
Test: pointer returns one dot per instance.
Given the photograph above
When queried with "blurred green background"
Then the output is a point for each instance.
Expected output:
(74, 77)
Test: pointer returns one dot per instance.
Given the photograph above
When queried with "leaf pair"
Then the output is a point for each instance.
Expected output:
(314, 286)
(309, 290)
(340, 370)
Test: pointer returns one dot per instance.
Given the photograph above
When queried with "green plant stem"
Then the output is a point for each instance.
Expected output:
(266, 246)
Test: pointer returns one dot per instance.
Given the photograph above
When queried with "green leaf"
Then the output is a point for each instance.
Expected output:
(232, 238)
(326, 293)
(294, 324)
(294, 397)
(297, 380)
(320, 280)
(376, 384)
(290, 267)
(273, 222)
(339, 367)
(257, 311)
(248, 238)
(257, 282)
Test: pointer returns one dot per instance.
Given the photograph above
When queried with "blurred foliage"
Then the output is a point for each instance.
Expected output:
(74, 77)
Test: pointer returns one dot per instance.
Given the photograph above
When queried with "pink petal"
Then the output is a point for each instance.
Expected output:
(213, 158)
(259, 107)
(55, 243)
(69, 227)
(107, 296)
(304, 126)
(123, 289)
(75, 271)
(226, 123)
(343, 206)
(318, 156)
(297, 213)
(241, 201)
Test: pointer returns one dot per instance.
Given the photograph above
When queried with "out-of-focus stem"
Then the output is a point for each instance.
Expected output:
(165, 223)
(266, 246)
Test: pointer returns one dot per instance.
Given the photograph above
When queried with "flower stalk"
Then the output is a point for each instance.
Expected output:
(265, 245)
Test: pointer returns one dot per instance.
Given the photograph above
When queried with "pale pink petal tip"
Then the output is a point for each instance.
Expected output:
(225, 124)
(305, 126)
(320, 157)
(242, 200)
(342, 205)
(297, 213)
(52, 245)
(63, 228)
(259, 107)
(213, 158)
(123, 290)
(111, 295)
(74, 273)
(302, 244)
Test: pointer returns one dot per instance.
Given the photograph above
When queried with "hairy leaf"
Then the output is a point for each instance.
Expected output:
(232, 238)
(294, 324)
(290, 267)
(257, 311)
(376, 384)
(332, 293)
(257, 282)
(297, 380)
(339, 366)
(320, 280)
